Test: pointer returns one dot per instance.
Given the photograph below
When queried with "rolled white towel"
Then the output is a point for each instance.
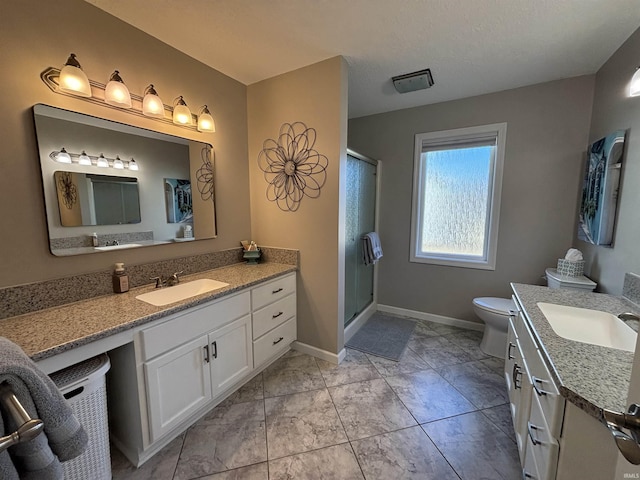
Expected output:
(574, 255)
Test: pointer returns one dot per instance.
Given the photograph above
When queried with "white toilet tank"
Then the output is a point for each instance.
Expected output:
(555, 280)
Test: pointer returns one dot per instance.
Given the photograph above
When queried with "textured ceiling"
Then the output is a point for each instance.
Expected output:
(472, 46)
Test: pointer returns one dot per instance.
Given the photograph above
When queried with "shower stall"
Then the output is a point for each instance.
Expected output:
(362, 180)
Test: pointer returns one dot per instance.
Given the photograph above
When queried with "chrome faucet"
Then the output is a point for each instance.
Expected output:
(629, 316)
(169, 282)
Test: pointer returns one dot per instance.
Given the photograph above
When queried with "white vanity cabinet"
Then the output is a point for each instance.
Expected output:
(536, 405)
(184, 379)
(181, 366)
(274, 318)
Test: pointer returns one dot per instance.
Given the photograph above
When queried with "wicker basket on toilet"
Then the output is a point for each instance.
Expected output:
(570, 268)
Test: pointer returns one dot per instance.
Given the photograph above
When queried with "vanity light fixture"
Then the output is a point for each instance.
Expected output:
(73, 80)
(205, 120)
(634, 87)
(181, 113)
(116, 92)
(152, 105)
(84, 159)
(102, 161)
(117, 163)
(62, 156)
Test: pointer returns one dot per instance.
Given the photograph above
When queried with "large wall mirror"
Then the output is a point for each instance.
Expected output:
(112, 186)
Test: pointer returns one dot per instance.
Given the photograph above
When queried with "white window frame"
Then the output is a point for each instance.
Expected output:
(451, 138)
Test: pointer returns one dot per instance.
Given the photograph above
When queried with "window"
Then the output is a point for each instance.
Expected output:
(457, 179)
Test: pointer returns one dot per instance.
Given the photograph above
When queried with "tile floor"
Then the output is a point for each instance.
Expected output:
(439, 413)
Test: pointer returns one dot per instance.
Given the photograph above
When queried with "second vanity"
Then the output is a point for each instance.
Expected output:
(559, 387)
(171, 364)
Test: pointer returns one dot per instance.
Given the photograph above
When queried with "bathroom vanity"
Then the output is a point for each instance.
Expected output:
(558, 388)
(170, 364)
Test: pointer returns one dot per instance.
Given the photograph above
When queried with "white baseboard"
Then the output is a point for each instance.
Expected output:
(318, 352)
(431, 317)
(356, 323)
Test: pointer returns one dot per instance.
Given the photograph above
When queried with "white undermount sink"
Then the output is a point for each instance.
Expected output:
(182, 291)
(118, 247)
(589, 326)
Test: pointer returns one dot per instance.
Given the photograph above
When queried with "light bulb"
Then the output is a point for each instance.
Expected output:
(73, 80)
(116, 92)
(634, 88)
(117, 163)
(181, 113)
(84, 159)
(152, 105)
(63, 157)
(133, 165)
(102, 162)
(205, 121)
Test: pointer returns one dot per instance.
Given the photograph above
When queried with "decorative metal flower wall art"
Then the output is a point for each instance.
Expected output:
(68, 190)
(292, 167)
(204, 175)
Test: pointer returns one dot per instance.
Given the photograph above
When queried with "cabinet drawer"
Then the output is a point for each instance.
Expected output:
(274, 341)
(546, 392)
(273, 315)
(272, 291)
(180, 329)
(543, 445)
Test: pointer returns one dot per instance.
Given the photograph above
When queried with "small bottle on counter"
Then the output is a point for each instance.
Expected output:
(94, 239)
(120, 279)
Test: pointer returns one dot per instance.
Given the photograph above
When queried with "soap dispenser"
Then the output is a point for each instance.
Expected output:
(120, 279)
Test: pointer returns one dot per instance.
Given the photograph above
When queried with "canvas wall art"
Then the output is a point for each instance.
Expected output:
(600, 189)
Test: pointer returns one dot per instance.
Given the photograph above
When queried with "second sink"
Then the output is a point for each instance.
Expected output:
(168, 295)
(589, 326)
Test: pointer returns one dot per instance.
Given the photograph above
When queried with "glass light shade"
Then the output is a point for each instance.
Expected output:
(152, 105)
(84, 159)
(205, 121)
(116, 92)
(63, 157)
(73, 80)
(117, 163)
(634, 88)
(181, 113)
(102, 162)
(133, 165)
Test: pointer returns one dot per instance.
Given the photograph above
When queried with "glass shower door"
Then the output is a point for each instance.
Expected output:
(360, 219)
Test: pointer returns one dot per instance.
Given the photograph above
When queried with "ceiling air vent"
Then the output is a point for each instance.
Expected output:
(410, 82)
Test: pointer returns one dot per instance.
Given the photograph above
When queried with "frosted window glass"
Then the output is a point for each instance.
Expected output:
(455, 209)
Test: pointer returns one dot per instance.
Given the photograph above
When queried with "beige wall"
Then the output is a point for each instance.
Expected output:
(35, 35)
(613, 109)
(546, 139)
(316, 96)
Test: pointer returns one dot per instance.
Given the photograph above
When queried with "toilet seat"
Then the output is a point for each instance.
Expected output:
(499, 306)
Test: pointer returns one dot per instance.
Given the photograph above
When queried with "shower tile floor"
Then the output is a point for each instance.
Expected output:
(441, 412)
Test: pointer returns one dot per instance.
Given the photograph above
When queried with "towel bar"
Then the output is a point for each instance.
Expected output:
(29, 427)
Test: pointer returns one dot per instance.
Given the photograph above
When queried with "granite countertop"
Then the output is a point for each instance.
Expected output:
(590, 376)
(49, 332)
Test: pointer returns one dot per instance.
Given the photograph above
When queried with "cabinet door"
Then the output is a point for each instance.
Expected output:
(231, 354)
(178, 384)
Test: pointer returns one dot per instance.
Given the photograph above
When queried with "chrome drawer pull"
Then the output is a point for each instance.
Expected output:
(530, 428)
(539, 391)
(273, 292)
(509, 351)
(278, 341)
(526, 475)
(516, 372)
(214, 345)
(277, 315)
(206, 353)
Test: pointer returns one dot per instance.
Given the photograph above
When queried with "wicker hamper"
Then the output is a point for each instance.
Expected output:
(84, 386)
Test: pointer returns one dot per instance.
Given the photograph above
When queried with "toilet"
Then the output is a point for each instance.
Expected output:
(555, 280)
(494, 312)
